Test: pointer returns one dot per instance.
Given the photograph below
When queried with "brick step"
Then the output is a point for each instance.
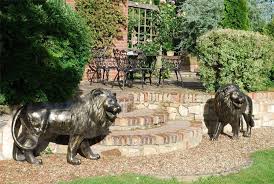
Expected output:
(171, 132)
(140, 119)
(126, 102)
(172, 136)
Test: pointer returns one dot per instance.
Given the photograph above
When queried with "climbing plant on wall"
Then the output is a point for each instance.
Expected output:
(105, 19)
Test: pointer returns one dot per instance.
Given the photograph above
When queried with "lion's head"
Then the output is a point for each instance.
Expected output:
(230, 96)
(106, 100)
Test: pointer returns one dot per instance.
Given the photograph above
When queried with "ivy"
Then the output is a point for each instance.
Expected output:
(105, 19)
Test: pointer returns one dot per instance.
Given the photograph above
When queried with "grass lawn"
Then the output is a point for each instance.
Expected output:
(261, 172)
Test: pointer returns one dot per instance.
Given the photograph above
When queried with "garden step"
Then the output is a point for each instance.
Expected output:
(172, 136)
(171, 132)
(126, 102)
(140, 119)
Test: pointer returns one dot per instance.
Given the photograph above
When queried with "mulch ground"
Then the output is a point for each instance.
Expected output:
(222, 156)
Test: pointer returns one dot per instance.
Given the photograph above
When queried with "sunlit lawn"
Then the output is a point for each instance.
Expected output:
(261, 172)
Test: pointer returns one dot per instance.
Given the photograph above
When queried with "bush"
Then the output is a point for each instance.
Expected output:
(196, 17)
(234, 56)
(236, 15)
(45, 47)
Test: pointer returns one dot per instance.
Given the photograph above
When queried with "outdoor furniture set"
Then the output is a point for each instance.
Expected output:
(127, 64)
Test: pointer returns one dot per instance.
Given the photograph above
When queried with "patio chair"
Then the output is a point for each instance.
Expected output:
(177, 70)
(146, 65)
(98, 67)
(122, 66)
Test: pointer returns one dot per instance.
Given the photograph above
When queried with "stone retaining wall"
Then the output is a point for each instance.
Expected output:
(179, 105)
(199, 106)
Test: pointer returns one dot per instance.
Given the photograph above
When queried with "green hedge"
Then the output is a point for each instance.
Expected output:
(45, 47)
(234, 56)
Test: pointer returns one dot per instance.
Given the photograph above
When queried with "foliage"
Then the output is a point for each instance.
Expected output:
(47, 151)
(105, 19)
(44, 50)
(195, 18)
(133, 21)
(151, 48)
(269, 29)
(236, 15)
(167, 25)
(234, 56)
(259, 14)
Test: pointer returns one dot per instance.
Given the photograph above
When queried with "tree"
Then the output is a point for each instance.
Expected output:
(196, 17)
(44, 50)
(236, 15)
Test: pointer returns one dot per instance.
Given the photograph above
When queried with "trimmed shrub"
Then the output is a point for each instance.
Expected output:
(236, 15)
(234, 56)
(44, 49)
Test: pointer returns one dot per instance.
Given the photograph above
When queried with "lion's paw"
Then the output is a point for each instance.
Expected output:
(94, 157)
(74, 161)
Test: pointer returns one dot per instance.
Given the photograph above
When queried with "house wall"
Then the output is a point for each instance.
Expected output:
(119, 42)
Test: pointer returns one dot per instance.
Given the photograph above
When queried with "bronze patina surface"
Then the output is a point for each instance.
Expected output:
(78, 124)
(231, 106)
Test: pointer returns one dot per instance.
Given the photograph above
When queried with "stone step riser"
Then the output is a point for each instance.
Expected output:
(126, 102)
(141, 121)
(154, 139)
(181, 140)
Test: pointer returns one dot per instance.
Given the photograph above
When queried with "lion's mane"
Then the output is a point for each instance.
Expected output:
(89, 112)
(224, 107)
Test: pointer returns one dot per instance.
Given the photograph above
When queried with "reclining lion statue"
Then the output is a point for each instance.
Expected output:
(231, 106)
(78, 124)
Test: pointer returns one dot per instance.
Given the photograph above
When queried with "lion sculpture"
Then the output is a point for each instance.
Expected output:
(78, 124)
(231, 106)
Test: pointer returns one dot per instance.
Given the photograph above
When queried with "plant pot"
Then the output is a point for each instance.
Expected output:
(170, 53)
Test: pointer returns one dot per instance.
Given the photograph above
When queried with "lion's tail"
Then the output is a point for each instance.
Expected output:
(13, 129)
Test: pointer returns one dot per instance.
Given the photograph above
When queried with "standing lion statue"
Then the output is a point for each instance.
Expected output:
(231, 106)
(78, 124)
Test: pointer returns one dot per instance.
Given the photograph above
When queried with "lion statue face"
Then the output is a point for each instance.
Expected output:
(109, 103)
(237, 98)
(111, 107)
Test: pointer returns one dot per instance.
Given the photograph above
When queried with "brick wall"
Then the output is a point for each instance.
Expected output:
(119, 43)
